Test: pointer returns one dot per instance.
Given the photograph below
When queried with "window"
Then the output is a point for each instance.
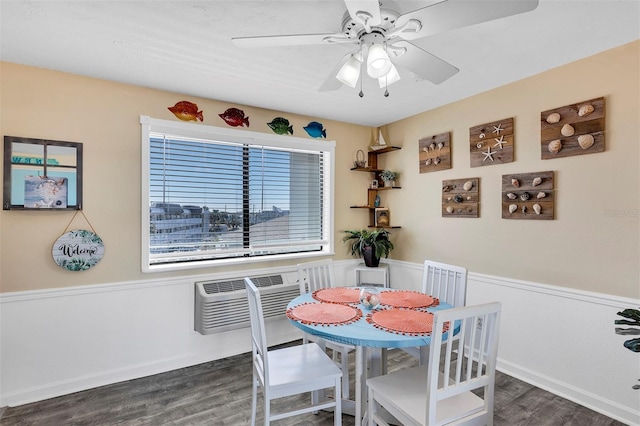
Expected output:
(214, 196)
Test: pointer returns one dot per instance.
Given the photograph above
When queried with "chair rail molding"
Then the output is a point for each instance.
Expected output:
(560, 339)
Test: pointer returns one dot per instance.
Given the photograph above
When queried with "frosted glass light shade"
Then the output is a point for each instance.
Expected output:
(350, 72)
(378, 62)
(391, 77)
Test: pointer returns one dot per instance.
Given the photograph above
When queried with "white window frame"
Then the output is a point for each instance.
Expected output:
(201, 131)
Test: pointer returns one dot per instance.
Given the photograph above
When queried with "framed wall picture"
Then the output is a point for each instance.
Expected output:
(382, 217)
(374, 184)
(41, 174)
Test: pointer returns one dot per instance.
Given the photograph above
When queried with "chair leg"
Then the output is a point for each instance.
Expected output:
(371, 409)
(344, 361)
(254, 401)
(337, 413)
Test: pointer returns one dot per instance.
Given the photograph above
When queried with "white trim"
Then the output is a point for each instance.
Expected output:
(206, 132)
(569, 293)
(148, 327)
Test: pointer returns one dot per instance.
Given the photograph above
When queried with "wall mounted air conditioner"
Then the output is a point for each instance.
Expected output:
(222, 305)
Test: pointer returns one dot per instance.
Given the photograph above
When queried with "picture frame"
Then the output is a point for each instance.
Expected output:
(381, 217)
(374, 184)
(41, 174)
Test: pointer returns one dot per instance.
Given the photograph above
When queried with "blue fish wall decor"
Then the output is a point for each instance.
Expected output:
(315, 130)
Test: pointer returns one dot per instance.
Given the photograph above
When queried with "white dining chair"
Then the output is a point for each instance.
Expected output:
(446, 282)
(314, 276)
(440, 392)
(289, 371)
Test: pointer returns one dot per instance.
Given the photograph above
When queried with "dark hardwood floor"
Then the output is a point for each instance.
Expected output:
(219, 393)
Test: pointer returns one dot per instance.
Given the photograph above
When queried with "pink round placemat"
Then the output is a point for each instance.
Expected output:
(324, 314)
(407, 299)
(337, 295)
(402, 321)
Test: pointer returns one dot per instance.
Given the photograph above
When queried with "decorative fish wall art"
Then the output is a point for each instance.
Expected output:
(235, 117)
(315, 130)
(280, 126)
(186, 111)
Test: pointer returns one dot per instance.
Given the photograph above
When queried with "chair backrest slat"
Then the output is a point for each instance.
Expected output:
(315, 275)
(446, 282)
(258, 333)
(474, 354)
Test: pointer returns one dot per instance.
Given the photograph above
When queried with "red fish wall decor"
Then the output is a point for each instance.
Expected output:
(235, 117)
(186, 111)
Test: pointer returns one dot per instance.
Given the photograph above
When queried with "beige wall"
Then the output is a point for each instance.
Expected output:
(593, 244)
(585, 247)
(104, 116)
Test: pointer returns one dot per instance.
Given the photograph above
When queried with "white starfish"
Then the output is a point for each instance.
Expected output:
(488, 154)
(497, 129)
(500, 142)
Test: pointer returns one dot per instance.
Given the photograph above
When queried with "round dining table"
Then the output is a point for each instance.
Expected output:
(361, 330)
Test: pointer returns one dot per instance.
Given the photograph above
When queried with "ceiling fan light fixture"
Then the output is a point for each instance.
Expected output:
(378, 62)
(391, 77)
(350, 72)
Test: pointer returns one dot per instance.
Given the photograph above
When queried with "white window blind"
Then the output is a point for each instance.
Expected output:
(216, 195)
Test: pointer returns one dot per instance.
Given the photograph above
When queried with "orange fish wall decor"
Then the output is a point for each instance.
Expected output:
(186, 111)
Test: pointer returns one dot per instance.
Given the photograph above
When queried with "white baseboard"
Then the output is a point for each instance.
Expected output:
(58, 341)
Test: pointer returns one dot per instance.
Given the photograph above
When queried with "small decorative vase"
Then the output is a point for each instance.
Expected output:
(388, 183)
(370, 297)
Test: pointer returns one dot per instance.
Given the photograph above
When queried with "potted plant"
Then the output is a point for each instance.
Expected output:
(371, 245)
(388, 177)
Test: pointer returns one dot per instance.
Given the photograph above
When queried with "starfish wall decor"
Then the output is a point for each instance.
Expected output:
(491, 143)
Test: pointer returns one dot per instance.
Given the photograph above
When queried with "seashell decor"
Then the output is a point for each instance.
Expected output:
(533, 200)
(515, 182)
(585, 141)
(579, 130)
(567, 130)
(555, 146)
(553, 118)
(585, 110)
(468, 185)
(449, 209)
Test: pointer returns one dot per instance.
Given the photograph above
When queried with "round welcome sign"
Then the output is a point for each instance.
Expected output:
(78, 250)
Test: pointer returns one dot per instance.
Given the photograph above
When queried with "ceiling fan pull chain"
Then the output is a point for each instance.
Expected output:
(361, 94)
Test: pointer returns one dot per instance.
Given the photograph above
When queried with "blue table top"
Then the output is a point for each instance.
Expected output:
(361, 333)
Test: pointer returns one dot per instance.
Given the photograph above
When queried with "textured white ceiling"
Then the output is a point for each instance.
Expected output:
(185, 47)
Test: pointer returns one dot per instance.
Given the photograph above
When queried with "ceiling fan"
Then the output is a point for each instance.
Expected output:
(383, 38)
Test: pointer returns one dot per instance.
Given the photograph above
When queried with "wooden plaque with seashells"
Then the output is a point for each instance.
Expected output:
(528, 196)
(435, 153)
(574, 129)
(491, 143)
(461, 197)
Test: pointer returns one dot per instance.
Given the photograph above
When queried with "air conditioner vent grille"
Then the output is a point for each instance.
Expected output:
(238, 284)
(222, 305)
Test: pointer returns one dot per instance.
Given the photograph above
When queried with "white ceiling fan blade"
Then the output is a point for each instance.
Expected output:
(451, 14)
(367, 12)
(332, 83)
(423, 64)
(292, 40)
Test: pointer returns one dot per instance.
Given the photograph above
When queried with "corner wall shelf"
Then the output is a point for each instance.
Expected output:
(372, 167)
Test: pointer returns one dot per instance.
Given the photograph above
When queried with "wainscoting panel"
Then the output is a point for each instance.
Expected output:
(59, 341)
(564, 341)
